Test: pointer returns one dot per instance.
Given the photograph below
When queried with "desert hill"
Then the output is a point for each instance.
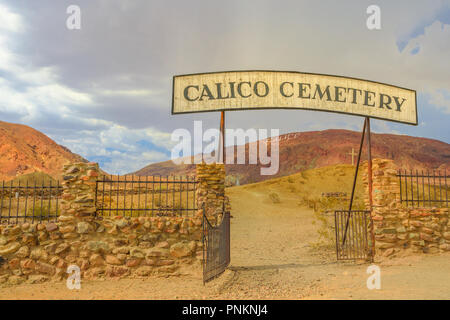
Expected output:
(306, 150)
(24, 150)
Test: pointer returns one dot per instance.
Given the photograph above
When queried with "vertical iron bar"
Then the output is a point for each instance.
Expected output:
(26, 202)
(440, 190)
(102, 208)
(160, 194)
(167, 194)
(146, 194)
(400, 182)
(34, 200)
(336, 233)
(3, 194)
(125, 196)
(434, 187)
(429, 186)
(139, 196)
(111, 185)
(423, 189)
(187, 193)
(42, 201)
(118, 195)
(49, 202)
(18, 203)
(173, 196)
(412, 187)
(10, 193)
(153, 194)
(57, 197)
(446, 196)
(132, 193)
(418, 192)
(406, 187)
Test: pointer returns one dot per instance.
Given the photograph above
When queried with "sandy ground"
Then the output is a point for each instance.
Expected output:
(271, 259)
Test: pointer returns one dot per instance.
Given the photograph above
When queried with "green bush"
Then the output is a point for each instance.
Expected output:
(274, 197)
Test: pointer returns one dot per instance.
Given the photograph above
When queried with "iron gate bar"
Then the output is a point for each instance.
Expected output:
(357, 246)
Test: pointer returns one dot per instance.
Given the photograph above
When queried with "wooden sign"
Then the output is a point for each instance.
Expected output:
(246, 90)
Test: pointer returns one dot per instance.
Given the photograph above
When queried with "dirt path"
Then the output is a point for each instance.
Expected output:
(271, 259)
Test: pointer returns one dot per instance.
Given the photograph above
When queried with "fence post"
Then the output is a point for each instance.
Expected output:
(388, 221)
(211, 190)
(78, 204)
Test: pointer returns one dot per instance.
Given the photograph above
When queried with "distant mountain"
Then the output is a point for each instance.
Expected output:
(306, 150)
(24, 150)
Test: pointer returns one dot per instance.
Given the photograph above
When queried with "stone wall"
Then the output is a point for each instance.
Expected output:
(211, 191)
(106, 246)
(398, 228)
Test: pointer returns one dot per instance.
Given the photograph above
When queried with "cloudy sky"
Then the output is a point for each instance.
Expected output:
(105, 91)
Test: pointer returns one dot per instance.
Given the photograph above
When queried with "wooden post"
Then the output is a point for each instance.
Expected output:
(221, 150)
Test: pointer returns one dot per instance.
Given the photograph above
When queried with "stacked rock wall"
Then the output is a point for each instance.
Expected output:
(399, 228)
(211, 191)
(104, 246)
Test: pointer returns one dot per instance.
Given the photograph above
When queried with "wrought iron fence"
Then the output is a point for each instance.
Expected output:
(31, 202)
(216, 246)
(423, 189)
(352, 234)
(137, 196)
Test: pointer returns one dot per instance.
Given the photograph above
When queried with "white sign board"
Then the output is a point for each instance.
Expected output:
(246, 90)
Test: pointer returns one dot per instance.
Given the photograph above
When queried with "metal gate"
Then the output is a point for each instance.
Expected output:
(216, 246)
(352, 234)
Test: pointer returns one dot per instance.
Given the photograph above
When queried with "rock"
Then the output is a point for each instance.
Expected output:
(446, 235)
(163, 244)
(117, 271)
(83, 227)
(14, 263)
(29, 239)
(23, 252)
(136, 253)
(9, 248)
(426, 237)
(157, 252)
(120, 242)
(389, 252)
(61, 264)
(28, 264)
(36, 278)
(144, 271)
(98, 246)
(15, 280)
(110, 259)
(96, 260)
(181, 249)
(51, 227)
(122, 223)
(131, 263)
(45, 268)
(63, 247)
(50, 248)
(67, 229)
